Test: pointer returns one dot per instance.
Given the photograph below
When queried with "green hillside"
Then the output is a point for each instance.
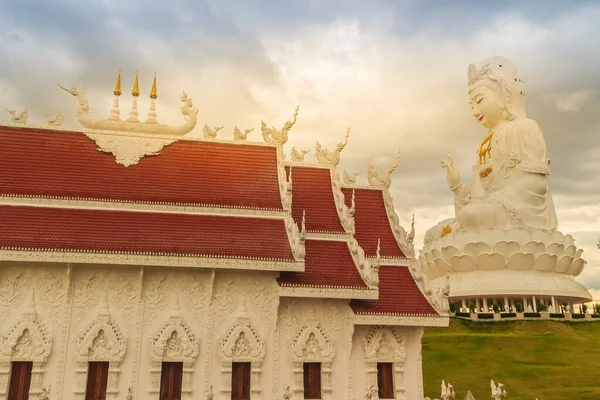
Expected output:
(544, 359)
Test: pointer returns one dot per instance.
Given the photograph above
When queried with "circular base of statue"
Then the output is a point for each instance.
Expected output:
(513, 284)
(511, 262)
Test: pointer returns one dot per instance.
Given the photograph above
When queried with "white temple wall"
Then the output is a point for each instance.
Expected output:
(208, 308)
(332, 323)
(390, 344)
(49, 285)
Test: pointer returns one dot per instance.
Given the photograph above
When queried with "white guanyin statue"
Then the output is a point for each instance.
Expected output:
(510, 186)
(503, 242)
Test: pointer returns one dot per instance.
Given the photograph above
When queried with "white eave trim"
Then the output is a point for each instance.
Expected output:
(107, 205)
(328, 292)
(150, 260)
(402, 320)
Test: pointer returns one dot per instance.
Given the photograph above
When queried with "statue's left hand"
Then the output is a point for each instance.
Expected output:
(452, 174)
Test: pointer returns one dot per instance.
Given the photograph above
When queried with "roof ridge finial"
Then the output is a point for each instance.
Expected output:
(117, 91)
(153, 91)
(136, 86)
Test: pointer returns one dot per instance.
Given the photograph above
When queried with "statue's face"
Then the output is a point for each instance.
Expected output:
(487, 104)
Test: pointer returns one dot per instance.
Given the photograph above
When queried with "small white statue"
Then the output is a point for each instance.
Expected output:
(53, 120)
(288, 394)
(332, 157)
(510, 187)
(211, 133)
(210, 395)
(551, 309)
(568, 309)
(350, 178)
(299, 155)
(238, 135)
(529, 308)
(447, 391)
(384, 178)
(469, 396)
(129, 394)
(18, 118)
(497, 391)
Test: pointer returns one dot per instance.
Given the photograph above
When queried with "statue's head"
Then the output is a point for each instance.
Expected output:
(496, 92)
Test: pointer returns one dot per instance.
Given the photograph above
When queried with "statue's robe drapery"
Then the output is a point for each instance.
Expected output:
(517, 193)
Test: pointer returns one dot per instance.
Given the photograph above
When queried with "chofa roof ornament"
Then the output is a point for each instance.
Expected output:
(278, 136)
(133, 124)
(385, 178)
(331, 157)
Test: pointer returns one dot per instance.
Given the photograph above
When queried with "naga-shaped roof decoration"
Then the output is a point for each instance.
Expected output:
(385, 178)
(331, 157)
(133, 124)
(278, 136)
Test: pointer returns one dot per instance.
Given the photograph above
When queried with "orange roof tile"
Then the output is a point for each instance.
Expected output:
(312, 192)
(327, 264)
(49, 163)
(398, 295)
(65, 229)
(371, 223)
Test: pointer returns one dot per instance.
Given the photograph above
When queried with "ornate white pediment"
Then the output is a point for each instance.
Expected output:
(383, 344)
(28, 339)
(102, 340)
(129, 150)
(174, 340)
(242, 342)
(312, 343)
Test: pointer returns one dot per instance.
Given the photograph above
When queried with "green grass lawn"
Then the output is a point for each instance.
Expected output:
(544, 359)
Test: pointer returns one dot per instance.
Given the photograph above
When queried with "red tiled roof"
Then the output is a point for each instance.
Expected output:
(61, 229)
(326, 264)
(312, 192)
(371, 223)
(44, 163)
(398, 295)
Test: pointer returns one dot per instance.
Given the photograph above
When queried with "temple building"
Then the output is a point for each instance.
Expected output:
(140, 263)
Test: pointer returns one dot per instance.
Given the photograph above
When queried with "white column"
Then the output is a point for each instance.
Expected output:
(485, 305)
(506, 305)
(553, 304)
(464, 305)
(477, 304)
(534, 304)
(524, 304)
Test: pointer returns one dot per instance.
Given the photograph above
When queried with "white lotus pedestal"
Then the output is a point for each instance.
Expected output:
(505, 267)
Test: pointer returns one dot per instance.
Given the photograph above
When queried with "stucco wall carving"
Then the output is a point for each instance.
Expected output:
(173, 342)
(134, 301)
(384, 344)
(242, 343)
(27, 340)
(101, 340)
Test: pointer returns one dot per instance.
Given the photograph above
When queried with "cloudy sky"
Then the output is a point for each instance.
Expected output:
(395, 71)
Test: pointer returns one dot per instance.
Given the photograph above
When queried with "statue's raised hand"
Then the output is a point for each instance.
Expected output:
(452, 174)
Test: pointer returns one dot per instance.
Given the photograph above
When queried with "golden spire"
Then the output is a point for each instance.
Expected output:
(117, 90)
(153, 93)
(136, 87)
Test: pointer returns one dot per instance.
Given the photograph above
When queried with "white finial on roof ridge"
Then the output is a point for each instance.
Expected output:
(331, 157)
(385, 178)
